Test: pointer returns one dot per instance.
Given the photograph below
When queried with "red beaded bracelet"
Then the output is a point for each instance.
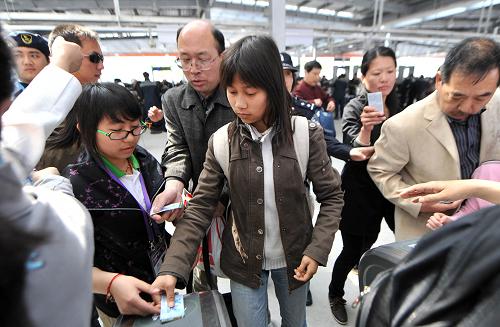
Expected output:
(109, 297)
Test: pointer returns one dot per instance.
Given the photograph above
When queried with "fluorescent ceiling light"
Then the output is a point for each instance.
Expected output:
(310, 10)
(408, 22)
(291, 7)
(345, 14)
(327, 12)
(482, 4)
(446, 13)
(262, 3)
(248, 2)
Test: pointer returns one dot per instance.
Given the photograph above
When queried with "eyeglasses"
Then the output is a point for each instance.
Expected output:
(95, 57)
(122, 134)
(200, 64)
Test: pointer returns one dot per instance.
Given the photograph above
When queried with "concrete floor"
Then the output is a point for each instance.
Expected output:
(318, 315)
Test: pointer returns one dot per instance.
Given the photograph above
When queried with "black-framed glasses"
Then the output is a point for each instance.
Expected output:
(200, 64)
(95, 57)
(123, 134)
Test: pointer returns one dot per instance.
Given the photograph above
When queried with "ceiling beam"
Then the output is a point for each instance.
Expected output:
(433, 14)
(323, 6)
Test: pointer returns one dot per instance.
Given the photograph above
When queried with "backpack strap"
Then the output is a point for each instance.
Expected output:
(221, 152)
(221, 148)
(300, 127)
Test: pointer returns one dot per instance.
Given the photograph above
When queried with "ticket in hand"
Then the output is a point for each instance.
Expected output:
(186, 196)
(177, 312)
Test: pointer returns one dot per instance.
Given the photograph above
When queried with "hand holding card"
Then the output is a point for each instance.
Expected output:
(186, 196)
(375, 100)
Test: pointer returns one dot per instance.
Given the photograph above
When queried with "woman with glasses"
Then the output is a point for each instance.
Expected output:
(117, 180)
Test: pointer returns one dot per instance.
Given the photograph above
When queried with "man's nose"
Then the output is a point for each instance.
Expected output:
(469, 106)
(26, 60)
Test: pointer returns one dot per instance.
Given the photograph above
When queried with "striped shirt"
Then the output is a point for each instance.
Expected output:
(467, 137)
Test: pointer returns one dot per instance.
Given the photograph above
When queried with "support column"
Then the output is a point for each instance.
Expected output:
(278, 22)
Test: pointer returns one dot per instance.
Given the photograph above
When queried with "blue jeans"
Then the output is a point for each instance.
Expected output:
(250, 304)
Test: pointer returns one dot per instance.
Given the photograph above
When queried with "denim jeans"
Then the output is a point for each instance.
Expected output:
(250, 304)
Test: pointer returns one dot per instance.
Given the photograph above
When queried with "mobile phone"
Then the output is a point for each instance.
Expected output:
(375, 100)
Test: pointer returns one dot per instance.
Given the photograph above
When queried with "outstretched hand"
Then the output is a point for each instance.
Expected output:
(436, 191)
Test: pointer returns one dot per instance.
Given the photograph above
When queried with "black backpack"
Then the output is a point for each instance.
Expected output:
(451, 278)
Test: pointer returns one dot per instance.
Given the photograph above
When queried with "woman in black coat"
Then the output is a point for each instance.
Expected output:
(364, 205)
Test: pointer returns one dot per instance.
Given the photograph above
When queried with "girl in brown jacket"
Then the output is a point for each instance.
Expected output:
(270, 231)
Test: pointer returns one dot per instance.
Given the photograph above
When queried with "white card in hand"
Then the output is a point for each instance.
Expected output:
(375, 100)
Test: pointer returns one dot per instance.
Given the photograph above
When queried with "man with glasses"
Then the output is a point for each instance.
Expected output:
(444, 136)
(61, 147)
(193, 112)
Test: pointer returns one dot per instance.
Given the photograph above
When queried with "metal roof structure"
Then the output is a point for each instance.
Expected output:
(412, 27)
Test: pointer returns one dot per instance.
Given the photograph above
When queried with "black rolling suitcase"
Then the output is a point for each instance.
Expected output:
(381, 258)
(201, 309)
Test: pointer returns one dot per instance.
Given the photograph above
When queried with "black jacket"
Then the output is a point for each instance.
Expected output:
(364, 205)
(333, 146)
(120, 236)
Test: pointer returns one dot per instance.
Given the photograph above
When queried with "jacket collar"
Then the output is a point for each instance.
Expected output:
(245, 136)
(438, 125)
(193, 98)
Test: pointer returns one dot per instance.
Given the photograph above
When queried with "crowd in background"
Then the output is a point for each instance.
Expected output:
(237, 138)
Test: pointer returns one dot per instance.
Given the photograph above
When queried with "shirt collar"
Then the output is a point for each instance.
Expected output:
(115, 170)
(258, 136)
(452, 120)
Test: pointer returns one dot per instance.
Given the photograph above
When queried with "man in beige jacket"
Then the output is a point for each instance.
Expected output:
(444, 136)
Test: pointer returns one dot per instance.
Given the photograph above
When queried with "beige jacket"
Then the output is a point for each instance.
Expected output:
(417, 145)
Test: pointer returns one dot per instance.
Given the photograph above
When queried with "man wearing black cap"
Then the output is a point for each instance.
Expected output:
(32, 55)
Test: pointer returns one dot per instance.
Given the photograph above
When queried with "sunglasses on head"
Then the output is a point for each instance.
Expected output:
(95, 57)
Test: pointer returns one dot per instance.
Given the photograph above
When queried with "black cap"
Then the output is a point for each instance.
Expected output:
(286, 61)
(31, 40)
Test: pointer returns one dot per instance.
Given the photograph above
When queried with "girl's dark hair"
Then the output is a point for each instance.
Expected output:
(257, 62)
(392, 99)
(103, 100)
(65, 136)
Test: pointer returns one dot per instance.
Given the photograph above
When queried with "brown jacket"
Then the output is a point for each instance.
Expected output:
(243, 237)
